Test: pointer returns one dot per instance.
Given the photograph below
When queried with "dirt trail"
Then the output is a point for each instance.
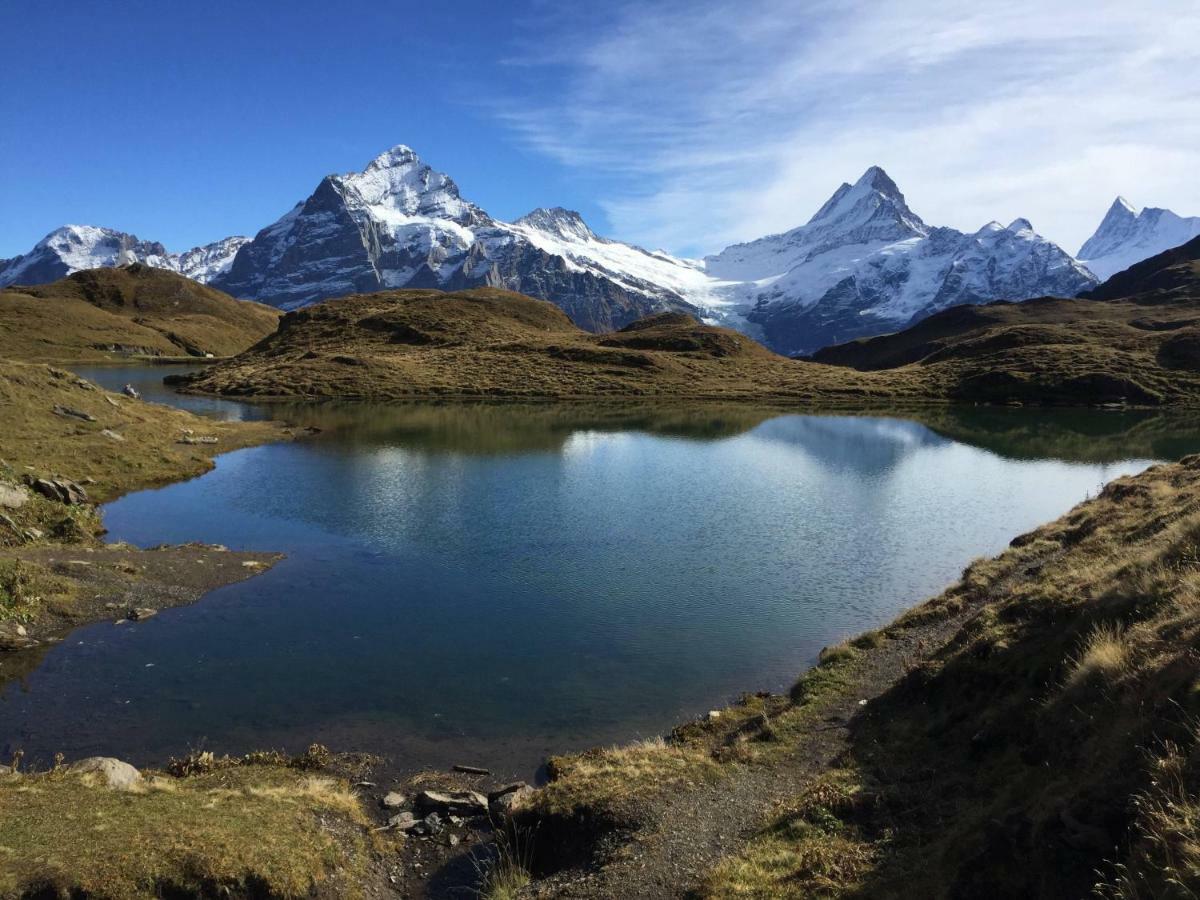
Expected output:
(692, 831)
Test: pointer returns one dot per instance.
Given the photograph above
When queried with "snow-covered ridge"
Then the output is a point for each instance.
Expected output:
(1127, 236)
(76, 247)
(864, 263)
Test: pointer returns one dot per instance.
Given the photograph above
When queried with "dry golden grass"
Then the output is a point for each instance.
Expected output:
(809, 850)
(604, 779)
(492, 343)
(145, 311)
(1105, 655)
(1165, 861)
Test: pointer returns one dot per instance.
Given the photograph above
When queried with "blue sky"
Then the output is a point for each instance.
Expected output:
(683, 125)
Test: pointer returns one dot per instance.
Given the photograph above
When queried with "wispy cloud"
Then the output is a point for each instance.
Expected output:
(712, 122)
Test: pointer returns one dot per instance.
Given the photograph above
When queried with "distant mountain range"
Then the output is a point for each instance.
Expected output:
(865, 264)
(1126, 237)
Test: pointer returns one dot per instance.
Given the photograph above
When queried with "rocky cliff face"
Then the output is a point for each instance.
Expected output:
(399, 223)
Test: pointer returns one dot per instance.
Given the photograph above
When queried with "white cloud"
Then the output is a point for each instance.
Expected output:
(711, 122)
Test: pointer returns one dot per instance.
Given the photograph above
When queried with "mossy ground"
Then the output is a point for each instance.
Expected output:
(257, 830)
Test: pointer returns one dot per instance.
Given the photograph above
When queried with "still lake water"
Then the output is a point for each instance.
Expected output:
(490, 585)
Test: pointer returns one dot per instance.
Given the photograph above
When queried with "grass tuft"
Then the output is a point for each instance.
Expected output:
(1104, 656)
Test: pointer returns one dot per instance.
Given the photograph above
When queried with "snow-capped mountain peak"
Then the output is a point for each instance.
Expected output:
(1127, 236)
(398, 182)
(563, 223)
(866, 263)
(871, 208)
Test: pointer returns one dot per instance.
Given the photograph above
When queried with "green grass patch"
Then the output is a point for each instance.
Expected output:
(26, 589)
(253, 829)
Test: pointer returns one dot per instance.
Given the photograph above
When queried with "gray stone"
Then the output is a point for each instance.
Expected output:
(120, 776)
(12, 496)
(463, 802)
(142, 612)
(402, 821)
(15, 637)
(433, 824)
(112, 435)
(70, 413)
(130, 391)
(392, 800)
(510, 799)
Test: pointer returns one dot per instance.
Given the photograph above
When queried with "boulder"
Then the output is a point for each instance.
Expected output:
(12, 496)
(112, 435)
(14, 637)
(120, 776)
(130, 391)
(463, 802)
(403, 821)
(141, 612)
(510, 799)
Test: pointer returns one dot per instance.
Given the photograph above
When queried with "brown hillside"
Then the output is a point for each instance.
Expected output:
(488, 342)
(134, 310)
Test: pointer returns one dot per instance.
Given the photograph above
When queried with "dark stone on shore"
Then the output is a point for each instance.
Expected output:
(60, 489)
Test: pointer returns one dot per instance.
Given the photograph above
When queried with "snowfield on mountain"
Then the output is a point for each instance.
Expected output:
(865, 264)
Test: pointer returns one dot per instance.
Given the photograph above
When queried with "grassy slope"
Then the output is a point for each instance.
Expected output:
(37, 440)
(492, 343)
(149, 311)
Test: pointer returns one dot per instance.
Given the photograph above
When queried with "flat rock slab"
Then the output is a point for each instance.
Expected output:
(462, 802)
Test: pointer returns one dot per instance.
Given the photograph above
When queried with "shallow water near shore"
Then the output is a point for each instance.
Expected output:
(491, 584)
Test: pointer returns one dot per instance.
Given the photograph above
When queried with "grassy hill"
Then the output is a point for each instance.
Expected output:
(1135, 342)
(494, 343)
(134, 310)
(1135, 339)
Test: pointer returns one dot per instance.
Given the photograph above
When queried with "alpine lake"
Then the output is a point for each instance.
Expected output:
(492, 584)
